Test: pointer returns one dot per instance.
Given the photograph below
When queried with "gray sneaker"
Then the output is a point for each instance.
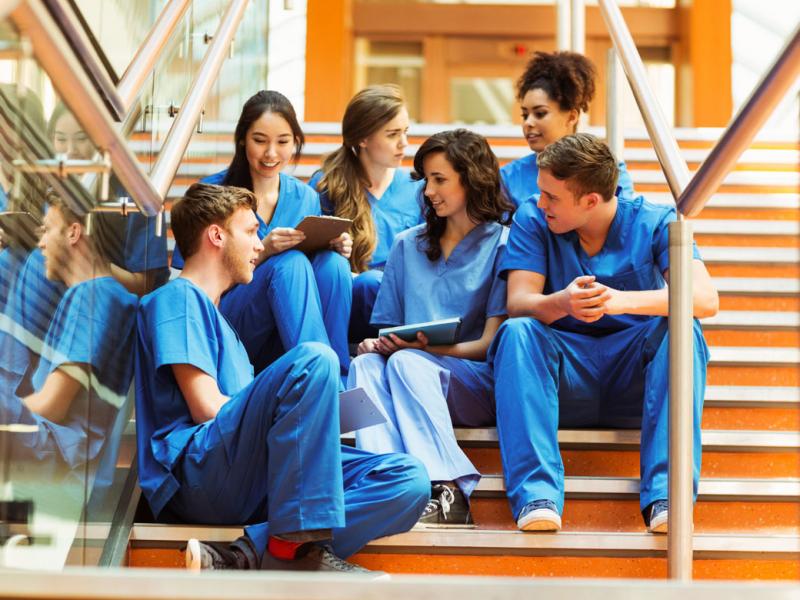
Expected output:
(209, 557)
(318, 558)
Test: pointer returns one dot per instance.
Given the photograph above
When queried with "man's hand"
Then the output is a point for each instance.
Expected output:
(343, 245)
(281, 239)
(585, 299)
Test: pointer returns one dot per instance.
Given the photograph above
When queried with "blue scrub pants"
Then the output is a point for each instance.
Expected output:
(273, 454)
(365, 291)
(423, 395)
(547, 378)
(292, 300)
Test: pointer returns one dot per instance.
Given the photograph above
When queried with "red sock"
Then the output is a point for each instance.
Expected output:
(283, 549)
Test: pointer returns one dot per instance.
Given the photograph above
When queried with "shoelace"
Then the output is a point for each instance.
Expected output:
(337, 563)
(446, 498)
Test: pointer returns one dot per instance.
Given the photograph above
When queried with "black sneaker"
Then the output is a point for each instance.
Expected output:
(317, 558)
(207, 557)
(447, 508)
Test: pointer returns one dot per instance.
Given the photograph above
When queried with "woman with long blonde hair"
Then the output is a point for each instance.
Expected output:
(362, 181)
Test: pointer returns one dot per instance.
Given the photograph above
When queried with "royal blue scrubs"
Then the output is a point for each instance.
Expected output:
(272, 453)
(399, 208)
(293, 298)
(424, 394)
(93, 326)
(610, 373)
(519, 179)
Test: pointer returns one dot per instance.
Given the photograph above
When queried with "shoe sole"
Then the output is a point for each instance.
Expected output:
(660, 524)
(193, 556)
(419, 526)
(540, 520)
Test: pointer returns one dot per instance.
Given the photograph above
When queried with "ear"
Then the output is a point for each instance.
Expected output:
(362, 143)
(573, 118)
(593, 199)
(215, 235)
(74, 233)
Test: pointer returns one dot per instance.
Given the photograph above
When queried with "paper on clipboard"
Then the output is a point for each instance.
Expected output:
(357, 411)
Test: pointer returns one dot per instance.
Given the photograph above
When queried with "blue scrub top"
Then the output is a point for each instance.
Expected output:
(399, 208)
(93, 325)
(178, 324)
(3, 200)
(11, 261)
(415, 289)
(634, 256)
(519, 179)
(296, 201)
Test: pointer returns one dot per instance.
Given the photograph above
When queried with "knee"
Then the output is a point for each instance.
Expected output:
(316, 358)
(522, 330)
(413, 482)
(289, 261)
(367, 362)
(368, 282)
(402, 362)
(331, 263)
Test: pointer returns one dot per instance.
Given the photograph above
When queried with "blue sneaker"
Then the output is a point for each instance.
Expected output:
(539, 515)
(657, 517)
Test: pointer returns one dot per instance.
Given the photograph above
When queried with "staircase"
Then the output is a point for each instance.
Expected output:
(747, 518)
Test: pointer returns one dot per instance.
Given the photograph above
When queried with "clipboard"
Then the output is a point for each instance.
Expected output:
(320, 231)
(357, 411)
(439, 333)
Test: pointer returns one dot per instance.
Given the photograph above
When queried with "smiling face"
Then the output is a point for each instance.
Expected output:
(562, 210)
(543, 121)
(269, 145)
(384, 148)
(443, 187)
(71, 140)
(242, 245)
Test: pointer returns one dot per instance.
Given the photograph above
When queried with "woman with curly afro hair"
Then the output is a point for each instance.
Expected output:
(553, 91)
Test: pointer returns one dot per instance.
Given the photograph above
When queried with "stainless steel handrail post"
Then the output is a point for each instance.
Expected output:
(614, 83)
(675, 169)
(743, 128)
(172, 151)
(140, 67)
(681, 405)
(563, 25)
(577, 14)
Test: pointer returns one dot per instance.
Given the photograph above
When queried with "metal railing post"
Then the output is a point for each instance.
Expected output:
(577, 14)
(681, 405)
(614, 83)
(563, 25)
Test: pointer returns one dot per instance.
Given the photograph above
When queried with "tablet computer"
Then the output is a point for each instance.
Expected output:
(320, 231)
(20, 229)
(439, 333)
(357, 410)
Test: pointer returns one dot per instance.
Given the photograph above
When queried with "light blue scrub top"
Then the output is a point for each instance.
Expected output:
(399, 208)
(178, 324)
(296, 201)
(466, 285)
(93, 325)
(519, 179)
(634, 256)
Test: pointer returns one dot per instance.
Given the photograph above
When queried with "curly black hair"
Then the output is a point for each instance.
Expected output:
(566, 77)
(479, 173)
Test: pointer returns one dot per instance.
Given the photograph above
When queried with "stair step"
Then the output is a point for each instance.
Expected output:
(759, 255)
(709, 489)
(777, 286)
(748, 227)
(744, 395)
(753, 355)
(752, 319)
(736, 201)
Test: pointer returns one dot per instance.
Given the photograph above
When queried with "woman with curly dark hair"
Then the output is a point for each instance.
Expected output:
(444, 268)
(553, 91)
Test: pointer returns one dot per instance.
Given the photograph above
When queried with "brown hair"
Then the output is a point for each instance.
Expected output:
(584, 162)
(103, 237)
(202, 205)
(344, 179)
(471, 157)
(566, 77)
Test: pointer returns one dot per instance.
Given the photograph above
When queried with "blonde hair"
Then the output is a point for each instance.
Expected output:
(344, 179)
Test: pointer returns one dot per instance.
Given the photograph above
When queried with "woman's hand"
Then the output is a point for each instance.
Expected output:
(343, 245)
(390, 344)
(366, 346)
(280, 239)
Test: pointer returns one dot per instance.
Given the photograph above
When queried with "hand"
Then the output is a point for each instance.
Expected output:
(387, 345)
(343, 245)
(615, 304)
(281, 239)
(366, 346)
(585, 299)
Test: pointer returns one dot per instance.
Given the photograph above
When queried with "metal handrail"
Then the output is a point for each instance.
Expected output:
(131, 82)
(743, 128)
(177, 139)
(673, 164)
(72, 83)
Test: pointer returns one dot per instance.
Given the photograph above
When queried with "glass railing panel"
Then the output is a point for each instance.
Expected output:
(70, 263)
